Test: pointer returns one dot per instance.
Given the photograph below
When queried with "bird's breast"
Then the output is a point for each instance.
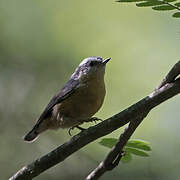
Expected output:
(85, 101)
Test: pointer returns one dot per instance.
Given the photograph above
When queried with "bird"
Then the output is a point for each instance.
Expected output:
(76, 103)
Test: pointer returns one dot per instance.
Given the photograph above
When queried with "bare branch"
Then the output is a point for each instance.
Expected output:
(171, 76)
(113, 158)
(106, 127)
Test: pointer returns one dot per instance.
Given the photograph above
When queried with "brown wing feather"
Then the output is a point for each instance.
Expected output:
(64, 93)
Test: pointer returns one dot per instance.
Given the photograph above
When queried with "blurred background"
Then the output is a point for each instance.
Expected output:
(42, 42)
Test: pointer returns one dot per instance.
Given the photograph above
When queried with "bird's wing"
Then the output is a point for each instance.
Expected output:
(64, 93)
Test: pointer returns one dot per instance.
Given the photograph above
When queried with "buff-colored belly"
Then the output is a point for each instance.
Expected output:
(84, 103)
(80, 106)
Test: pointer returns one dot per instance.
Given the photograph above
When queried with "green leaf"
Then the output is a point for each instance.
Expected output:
(163, 8)
(169, 0)
(129, 1)
(177, 4)
(108, 142)
(176, 15)
(136, 152)
(134, 143)
(127, 158)
(153, 1)
(139, 144)
(149, 3)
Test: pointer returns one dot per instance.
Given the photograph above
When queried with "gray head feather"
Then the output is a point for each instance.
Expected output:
(87, 66)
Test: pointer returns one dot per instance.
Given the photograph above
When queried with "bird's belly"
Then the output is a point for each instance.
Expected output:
(83, 104)
(80, 106)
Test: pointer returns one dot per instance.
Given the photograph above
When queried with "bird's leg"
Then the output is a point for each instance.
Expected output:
(78, 127)
(93, 119)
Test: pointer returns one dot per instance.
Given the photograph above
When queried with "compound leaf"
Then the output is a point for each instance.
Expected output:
(163, 8)
(149, 3)
(108, 142)
(139, 144)
(136, 152)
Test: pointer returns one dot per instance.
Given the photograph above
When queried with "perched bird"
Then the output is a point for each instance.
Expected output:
(77, 101)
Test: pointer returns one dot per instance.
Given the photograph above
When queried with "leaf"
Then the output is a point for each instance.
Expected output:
(134, 146)
(177, 4)
(170, 0)
(153, 1)
(127, 158)
(129, 1)
(136, 152)
(139, 144)
(149, 3)
(163, 8)
(108, 142)
(176, 15)
(134, 143)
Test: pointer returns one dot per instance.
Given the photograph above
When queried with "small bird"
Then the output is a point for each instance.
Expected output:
(77, 101)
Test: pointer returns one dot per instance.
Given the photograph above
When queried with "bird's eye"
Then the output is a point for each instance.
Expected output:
(92, 63)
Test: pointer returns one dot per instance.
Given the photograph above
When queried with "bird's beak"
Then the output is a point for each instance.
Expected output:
(106, 60)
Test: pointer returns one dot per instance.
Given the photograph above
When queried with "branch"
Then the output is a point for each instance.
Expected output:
(171, 76)
(83, 138)
(113, 158)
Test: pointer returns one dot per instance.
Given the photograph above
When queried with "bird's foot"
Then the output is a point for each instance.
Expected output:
(94, 119)
(78, 127)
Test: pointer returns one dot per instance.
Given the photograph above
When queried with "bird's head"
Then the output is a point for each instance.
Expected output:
(90, 67)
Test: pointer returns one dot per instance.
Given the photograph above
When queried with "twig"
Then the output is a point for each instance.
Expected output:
(106, 127)
(171, 76)
(113, 158)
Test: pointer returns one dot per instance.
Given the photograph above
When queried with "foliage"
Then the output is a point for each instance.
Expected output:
(134, 146)
(158, 5)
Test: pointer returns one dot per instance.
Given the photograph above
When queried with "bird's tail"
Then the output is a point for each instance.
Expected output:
(32, 135)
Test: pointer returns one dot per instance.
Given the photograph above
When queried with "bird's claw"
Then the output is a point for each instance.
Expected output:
(78, 127)
(95, 119)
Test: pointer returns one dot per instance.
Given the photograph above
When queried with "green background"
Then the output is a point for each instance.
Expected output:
(42, 42)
